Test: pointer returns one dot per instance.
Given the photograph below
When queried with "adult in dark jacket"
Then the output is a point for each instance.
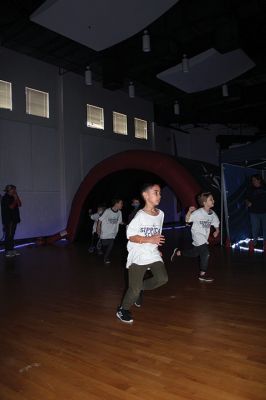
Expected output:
(136, 207)
(10, 204)
(256, 203)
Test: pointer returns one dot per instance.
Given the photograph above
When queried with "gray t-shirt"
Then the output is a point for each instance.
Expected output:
(110, 223)
(202, 221)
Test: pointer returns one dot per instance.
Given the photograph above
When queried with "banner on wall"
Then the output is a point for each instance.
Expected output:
(235, 182)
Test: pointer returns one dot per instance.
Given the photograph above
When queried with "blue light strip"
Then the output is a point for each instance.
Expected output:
(167, 228)
(20, 245)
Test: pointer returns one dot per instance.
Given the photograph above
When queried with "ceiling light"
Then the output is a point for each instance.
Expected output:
(88, 76)
(176, 108)
(185, 64)
(131, 90)
(146, 45)
(225, 91)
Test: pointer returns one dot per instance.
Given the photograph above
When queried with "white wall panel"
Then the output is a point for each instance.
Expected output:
(40, 214)
(45, 159)
(15, 153)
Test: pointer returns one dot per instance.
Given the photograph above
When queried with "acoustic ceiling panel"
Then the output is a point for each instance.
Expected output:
(99, 24)
(207, 70)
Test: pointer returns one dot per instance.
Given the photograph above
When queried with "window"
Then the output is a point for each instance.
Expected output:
(140, 128)
(95, 117)
(119, 123)
(5, 95)
(37, 103)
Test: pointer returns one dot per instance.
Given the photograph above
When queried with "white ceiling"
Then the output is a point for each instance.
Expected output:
(208, 70)
(102, 23)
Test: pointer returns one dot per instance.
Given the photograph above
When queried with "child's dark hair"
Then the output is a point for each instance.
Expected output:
(202, 197)
(115, 200)
(147, 186)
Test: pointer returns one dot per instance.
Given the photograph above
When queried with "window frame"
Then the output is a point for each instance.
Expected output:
(10, 107)
(92, 125)
(135, 133)
(29, 90)
(116, 113)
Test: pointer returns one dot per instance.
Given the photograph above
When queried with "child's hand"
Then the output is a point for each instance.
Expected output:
(157, 239)
(215, 234)
(191, 209)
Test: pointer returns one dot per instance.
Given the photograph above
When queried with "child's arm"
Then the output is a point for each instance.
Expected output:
(94, 217)
(216, 225)
(155, 239)
(190, 211)
(99, 227)
(16, 202)
(120, 221)
(216, 232)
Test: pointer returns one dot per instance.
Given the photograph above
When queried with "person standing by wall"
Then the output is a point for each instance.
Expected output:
(10, 204)
(256, 203)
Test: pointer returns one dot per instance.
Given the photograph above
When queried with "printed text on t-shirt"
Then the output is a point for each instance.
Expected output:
(112, 220)
(150, 230)
(205, 224)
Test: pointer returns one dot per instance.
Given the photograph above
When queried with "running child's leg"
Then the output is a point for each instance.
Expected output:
(204, 262)
(135, 285)
(193, 252)
(159, 277)
(107, 248)
(204, 255)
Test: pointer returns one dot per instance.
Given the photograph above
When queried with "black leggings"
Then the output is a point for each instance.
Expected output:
(199, 251)
(107, 247)
(10, 230)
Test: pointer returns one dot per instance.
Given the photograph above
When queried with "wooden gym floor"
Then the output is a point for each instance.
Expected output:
(60, 339)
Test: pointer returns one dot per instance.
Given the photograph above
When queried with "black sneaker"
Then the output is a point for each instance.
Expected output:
(124, 315)
(174, 254)
(139, 301)
(205, 278)
(107, 261)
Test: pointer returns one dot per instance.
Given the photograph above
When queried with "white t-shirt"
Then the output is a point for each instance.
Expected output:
(110, 223)
(144, 224)
(202, 221)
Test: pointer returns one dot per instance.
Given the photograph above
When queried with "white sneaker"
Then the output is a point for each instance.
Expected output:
(9, 254)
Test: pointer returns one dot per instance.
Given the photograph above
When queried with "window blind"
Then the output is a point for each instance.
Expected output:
(5, 95)
(141, 130)
(95, 117)
(119, 123)
(37, 103)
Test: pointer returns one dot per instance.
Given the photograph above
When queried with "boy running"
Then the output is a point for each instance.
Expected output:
(108, 225)
(144, 237)
(201, 219)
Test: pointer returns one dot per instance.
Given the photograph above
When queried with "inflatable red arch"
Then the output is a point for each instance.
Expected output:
(167, 168)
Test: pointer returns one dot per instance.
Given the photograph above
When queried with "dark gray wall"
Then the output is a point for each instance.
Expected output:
(48, 158)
